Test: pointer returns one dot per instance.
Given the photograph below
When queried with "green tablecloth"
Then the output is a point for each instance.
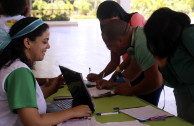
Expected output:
(107, 104)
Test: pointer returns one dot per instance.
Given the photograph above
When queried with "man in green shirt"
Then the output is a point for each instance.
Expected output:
(120, 38)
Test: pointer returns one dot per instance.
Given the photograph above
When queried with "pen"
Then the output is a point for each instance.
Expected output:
(107, 113)
(89, 69)
(158, 118)
(102, 78)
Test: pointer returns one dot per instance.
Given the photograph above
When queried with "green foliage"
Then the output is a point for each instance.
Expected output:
(59, 9)
(51, 11)
(147, 7)
(82, 6)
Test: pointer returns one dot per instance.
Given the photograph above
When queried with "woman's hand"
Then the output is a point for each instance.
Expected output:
(103, 84)
(122, 88)
(81, 111)
(93, 77)
(56, 83)
(52, 85)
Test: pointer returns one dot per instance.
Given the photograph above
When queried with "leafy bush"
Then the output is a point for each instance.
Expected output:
(56, 11)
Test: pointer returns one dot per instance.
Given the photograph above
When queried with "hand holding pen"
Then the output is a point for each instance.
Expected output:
(102, 78)
(92, 76)
(103, 84)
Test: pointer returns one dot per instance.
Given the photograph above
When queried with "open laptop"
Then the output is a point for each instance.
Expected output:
(78, 90)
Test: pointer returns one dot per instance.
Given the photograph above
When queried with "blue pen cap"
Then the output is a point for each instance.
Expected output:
(99, 114)
(142, 120)
(116, 108)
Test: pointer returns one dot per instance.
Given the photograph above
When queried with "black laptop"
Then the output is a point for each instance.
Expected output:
(78, 90)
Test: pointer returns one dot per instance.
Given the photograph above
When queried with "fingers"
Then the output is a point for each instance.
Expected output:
(82, 111)
(99, 84)
(116, 91)
(92, 77)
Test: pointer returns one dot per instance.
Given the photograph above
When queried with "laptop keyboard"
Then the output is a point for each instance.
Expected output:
(63, 104)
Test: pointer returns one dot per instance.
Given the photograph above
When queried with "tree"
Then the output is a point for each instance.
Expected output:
(82, 6)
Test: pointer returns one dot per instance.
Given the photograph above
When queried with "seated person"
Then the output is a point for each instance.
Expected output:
(21, 99)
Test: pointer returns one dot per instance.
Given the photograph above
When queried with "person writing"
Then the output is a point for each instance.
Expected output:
(119, 37)
(20, 94)
(170, 38)
(109, 10)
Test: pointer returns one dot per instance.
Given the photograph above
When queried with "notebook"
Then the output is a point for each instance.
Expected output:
(78, 90)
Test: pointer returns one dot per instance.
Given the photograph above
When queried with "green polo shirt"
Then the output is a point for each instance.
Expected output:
(180, 66)
(20, 86)
(143, 57)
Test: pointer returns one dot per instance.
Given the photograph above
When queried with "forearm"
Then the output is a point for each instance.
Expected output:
(56, 118)
(48, 119)
(42, 81)
(152, 81)
(144, 87)
(109, 69)
(125, 63)
(132, 71)
(114, 62)
(47, 91)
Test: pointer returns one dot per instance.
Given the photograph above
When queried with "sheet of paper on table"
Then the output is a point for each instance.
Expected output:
(126, 123)
(145, 113)
(95, 93)
(91, 121)
(89, 83)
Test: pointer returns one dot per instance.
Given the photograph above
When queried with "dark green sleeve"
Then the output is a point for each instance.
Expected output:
(20, 86)
(188, 39)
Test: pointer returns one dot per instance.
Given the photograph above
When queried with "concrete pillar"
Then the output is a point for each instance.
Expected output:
(125, 4)
(29, 2)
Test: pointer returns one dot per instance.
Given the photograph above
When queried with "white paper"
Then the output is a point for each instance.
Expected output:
(144, 113)
(86, 122)
(90, 83)
(94, 92)
(126, 123)
(91, 121)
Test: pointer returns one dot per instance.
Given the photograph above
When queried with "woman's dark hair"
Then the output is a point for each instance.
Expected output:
(109, 9)
(15, 49)
(13, 7)
(163, 31)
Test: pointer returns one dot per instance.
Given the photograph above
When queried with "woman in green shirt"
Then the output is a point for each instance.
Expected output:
(21, 98)
(170, 38)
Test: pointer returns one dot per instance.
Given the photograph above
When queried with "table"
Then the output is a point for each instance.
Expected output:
(107, 104)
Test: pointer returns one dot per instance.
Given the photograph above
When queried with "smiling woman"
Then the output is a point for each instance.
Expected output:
(36, 49)
(20, 93)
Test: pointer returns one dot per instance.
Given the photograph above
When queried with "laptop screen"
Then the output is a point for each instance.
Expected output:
(77, 88)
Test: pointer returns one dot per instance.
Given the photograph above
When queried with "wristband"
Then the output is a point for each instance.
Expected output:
(118, 69)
